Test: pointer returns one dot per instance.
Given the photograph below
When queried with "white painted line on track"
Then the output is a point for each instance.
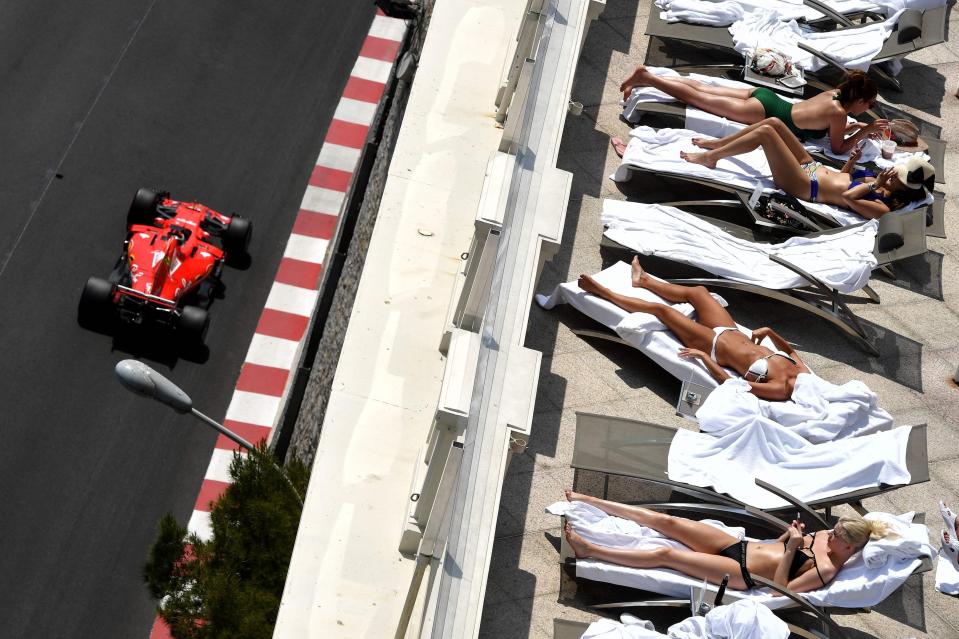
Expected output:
(272, 351)
(201, 525)
(341, 158)
(306, 248)
(291, 299)
(388, 28)
(320, 200)
(253, 408)
(219, 468)
(355, 111)
(372, 69)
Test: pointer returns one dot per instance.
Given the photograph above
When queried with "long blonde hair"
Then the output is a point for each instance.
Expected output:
(857, 530)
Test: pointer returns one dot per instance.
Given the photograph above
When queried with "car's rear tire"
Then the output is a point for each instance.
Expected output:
(194, 322)
(236, 238)
(96, 302)
(143, 208)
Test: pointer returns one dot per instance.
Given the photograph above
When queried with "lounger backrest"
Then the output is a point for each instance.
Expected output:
(901, 235)
(621, 446)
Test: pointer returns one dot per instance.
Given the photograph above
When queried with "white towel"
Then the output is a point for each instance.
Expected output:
(855, 586)
(947, 576)
(853, 47)
(842, 260)
(743, 619)
(905, 540)
(753, 446)
(714, 14)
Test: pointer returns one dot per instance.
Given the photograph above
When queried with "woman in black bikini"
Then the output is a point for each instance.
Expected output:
(797, 561)
(714, 339)
(808, 119)
(796, 173)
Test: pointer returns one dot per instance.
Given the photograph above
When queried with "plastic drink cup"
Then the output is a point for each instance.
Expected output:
(888, 148)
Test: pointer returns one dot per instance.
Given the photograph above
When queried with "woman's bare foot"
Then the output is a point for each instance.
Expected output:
(698, 158)
(618, 145)
(574, 496)
(590, 285)
(579, 545)
(638, 79)
(706, 143)
(639, 275)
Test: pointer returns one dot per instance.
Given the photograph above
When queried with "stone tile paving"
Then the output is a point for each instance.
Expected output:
(524, 587)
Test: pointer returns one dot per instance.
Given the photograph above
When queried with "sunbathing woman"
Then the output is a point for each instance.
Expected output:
(714, 339)
(808, 120)
(796, 173)
(797, 561)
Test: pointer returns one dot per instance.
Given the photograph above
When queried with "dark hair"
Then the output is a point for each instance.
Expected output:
(901, 198)
(856, 86)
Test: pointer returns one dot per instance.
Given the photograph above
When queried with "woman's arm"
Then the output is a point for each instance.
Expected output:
(837, 133)
(773, 391)
(793, 540)
(778, 340)
(717, 371)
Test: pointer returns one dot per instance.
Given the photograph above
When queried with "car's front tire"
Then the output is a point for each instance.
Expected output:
(193, 322)
(143, 208)
(236, 238)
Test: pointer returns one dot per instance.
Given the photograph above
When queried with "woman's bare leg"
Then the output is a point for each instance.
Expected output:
(741, 108)
(697, 535)
(698, 565)
(787, 172)
(710, 312)
(690, 333)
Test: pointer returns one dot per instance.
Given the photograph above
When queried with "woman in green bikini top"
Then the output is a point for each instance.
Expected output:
(808, 119)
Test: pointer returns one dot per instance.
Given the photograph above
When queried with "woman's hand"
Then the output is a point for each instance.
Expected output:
(876, 127)
(759, 334)
(795, 535)
(855, 154)
(883, 178)
(692, 353)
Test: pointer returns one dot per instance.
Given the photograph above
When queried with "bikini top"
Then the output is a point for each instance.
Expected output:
(800, 559)
(760, 368)
(872, 195)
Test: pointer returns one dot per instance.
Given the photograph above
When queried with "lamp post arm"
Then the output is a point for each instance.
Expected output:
(247, 445)
(222, 429)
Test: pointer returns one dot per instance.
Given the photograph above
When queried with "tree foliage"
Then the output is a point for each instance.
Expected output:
(230, 585)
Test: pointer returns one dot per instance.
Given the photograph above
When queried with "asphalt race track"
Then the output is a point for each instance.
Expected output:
(222, 101)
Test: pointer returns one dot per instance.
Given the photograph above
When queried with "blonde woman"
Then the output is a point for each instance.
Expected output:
(798, 561)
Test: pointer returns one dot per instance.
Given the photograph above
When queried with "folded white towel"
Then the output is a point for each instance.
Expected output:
(905, 540)
(714, 14)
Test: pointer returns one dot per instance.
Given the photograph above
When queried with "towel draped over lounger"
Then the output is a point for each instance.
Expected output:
(743, 619)
(843, 260)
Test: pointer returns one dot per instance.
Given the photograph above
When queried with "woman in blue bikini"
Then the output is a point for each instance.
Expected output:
(808, 120)
(796, 173)
(714, 339)
(795, 560)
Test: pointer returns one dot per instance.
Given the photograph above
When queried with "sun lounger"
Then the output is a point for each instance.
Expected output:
(677, 114)
(813, 272)
(645, 451)
(817, 411)
(746, 176)
(857, 586)
(927, 27)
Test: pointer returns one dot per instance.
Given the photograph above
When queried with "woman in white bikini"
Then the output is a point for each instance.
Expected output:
(797, 561)
(714, 339)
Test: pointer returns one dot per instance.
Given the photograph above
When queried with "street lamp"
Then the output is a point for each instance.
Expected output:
(146, 382)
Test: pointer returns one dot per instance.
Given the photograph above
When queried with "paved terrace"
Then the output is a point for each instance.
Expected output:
(524, 588)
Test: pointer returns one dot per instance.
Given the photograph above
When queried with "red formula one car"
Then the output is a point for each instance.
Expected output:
(169, 270)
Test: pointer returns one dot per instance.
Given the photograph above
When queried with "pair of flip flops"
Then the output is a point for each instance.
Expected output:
(950, 547)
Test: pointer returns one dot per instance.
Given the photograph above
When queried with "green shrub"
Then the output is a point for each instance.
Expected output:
(230, 586)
